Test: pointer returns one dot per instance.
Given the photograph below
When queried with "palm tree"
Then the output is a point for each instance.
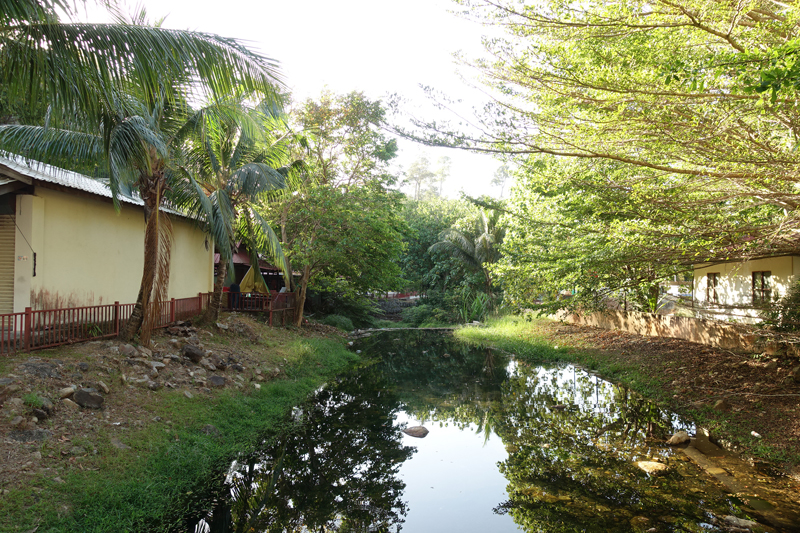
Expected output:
(475, 253)
(67, 63)
(120, 91)
(238, 158)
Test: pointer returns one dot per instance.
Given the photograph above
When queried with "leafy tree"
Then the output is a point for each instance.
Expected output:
(477, 253)
(340, 221)
(419, 175)
(666, 93)
(422, 269)
(569, 237)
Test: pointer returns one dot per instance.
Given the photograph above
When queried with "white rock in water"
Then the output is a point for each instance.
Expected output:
(416, 431)
(740, 522)
(651, 467)
(678, 438)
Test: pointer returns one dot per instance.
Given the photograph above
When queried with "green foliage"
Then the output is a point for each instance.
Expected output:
(474, 306)
(650, 135)
(33, 400)
(339, 321)
(784, 315)
(416, 315)
(426, 220)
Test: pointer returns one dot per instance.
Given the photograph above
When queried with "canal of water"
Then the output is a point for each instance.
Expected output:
(511, 447)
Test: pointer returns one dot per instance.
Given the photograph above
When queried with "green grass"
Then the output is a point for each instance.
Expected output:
(170, 473)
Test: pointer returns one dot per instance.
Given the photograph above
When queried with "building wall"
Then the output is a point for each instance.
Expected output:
(734, 290)
(87, 253)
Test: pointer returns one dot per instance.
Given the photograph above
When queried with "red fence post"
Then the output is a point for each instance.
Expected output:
(28, 328)
(172, 310)
(199, 302)
(116, 319)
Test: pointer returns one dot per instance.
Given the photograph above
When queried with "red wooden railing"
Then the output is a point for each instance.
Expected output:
(45, 328)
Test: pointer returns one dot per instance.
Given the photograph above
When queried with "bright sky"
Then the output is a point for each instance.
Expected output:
(375, 46)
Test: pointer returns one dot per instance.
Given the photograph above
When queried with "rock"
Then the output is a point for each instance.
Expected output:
(66, 392)
(237, 367)
(17, 421)
(40, 414)
(40, 369)
(36, 456)
(103, 387)
(116, 443)
(217, 381)
(5, 382)
(188, 394)
(678, 438)
(256, 386)
(47, 406)
(194, 353)
(66, 402)
(222, 326)
(157, 365)
(58, 480)
(257, 371)
(154, 385)
(652, 468)
(796, 373)
(35, 435)
(771, 366)
(14, 406)
(416, 431)
(740, 522)
(128, 350)
(88, 398)
(208, 365)
(83, 367)
(77, 450)
(145, 351)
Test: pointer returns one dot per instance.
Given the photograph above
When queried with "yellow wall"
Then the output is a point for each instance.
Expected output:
(89, 254)
(735, 281)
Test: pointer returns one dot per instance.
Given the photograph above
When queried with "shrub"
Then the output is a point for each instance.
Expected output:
(784, 315)
(414, 316)
(339, 321)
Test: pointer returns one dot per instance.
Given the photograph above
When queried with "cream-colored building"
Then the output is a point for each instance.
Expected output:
(739, 290)
(63, 244)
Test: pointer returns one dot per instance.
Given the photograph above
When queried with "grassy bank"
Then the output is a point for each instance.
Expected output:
(176, 449)
(759, 418)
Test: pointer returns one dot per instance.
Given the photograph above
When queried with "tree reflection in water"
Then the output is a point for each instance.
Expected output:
(336, 471)
(572, 441)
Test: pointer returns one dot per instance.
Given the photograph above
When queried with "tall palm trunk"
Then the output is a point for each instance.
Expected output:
(212, 313)
(156, 259)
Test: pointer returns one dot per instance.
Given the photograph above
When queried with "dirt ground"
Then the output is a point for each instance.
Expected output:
(754, 397)
(44, 433)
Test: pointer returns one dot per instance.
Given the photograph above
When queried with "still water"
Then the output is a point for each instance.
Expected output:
(512, 447)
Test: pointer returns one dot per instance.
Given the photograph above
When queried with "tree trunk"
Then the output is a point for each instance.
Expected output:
(148, 278)
(212, 313)
(301, 296)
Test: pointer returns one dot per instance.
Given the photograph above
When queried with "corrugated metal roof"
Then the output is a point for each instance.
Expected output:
(66, 178)
(59, 176)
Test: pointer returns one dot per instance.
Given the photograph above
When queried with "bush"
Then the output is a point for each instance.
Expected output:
(784, 315)
(414, 316)
(339, 321)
